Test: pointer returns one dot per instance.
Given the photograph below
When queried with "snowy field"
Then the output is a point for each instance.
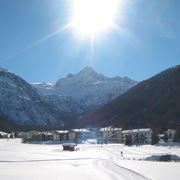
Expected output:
(92, 162)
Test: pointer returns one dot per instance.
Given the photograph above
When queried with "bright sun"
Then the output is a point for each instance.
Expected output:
(93, 16)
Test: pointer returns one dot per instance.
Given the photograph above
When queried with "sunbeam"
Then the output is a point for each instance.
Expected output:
(120, 30)
(50, 35)
(126, 35)
(92, 48)
(37, 42)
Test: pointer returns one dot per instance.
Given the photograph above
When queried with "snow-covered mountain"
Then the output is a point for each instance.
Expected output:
(87, 88)
(52, 105)
(22, 105)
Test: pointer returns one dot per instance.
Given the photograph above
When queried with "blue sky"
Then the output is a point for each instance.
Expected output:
(152, 43)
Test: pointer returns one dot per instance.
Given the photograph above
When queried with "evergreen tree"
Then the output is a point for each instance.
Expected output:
(155, 136)
(165, 138)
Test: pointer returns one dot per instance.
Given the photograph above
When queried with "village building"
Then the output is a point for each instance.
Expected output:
(49, 136)
(3, 134)
(112, 134)
(137, 136)
(170, 134)
(102, 135)
(34, 136)
(72, 135)
(60, 135)
(56, 136)
(81, 134)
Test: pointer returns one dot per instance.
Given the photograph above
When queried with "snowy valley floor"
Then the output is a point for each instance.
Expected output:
(92, 162)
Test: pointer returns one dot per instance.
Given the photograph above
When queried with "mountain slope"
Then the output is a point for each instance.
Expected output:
(88, 88)
(152, 103)
(65, 103)
(21, 105)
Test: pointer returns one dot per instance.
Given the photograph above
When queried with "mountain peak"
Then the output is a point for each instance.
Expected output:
(69, 75)
(89, 74)
(87, 69)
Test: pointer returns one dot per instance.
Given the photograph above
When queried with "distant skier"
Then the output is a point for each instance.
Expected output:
(122, 153)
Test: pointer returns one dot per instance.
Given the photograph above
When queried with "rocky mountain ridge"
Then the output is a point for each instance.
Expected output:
(87, 88)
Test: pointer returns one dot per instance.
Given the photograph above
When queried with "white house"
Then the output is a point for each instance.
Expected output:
(137, 136)
(112, 134)
(72, 135)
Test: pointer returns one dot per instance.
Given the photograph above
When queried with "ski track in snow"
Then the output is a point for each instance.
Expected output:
(116, 172)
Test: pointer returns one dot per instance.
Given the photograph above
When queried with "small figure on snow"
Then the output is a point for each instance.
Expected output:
(122, 153)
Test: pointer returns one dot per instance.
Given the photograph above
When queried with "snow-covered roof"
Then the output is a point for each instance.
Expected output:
(137, 130)
(49, 133)
(3, 133)
(142, 130)
(110, 129)
(117, 129)
(69, 144)
(80, 130)
(171, 130)
(127, 131)
(62, 131)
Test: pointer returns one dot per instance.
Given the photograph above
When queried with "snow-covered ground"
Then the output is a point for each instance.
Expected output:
(92, 162)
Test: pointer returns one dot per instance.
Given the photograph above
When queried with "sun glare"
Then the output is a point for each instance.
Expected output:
(93, 16)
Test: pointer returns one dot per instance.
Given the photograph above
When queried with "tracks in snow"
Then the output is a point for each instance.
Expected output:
(116, 172)
(113, 170)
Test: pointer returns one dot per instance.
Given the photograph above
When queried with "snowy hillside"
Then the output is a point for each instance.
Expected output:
(88, 88)
(154, 103)
(62, 102)
(22, 105)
